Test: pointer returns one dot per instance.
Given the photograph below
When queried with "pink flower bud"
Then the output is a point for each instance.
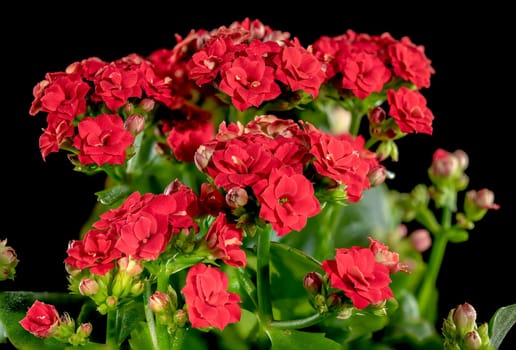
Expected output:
(131, 266)
(180, 317)
(421, 240)
(444, 164)
(472, 340)
(236, 197)
(147, 104)
(483, 199)
(159, 302)
(88, 287)
(135, 124)
(377, 176)
(84, 329)
(464, 317)
(313, 282)
(462, 158)
(202, 156)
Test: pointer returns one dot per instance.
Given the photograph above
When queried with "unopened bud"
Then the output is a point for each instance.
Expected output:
(202, 156)
(84, 329)
(137, 288)
(88, 287)
(180, 317)
(472, 340)
(135, 124)
(477, 203)
(147, 104)
(236, 197)
(377, 176)
(444, 164)
(462, 158)
(420, 240)
(8, 261)
(131, 266)
(313, 282)
(159, 302)
(377, 116)
(464, 318)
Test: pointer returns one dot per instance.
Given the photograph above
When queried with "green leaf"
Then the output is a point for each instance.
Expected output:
(501, 323)
(141, 338)
(128, 316)
(288, 268)
(112, 195)
(14, 306)
(295, 340)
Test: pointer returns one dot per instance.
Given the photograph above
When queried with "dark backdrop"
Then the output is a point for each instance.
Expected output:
(45, 203)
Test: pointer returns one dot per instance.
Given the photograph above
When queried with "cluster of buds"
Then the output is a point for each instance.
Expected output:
(109, 290)
(386, 131)
(317, 287)
(164, 307)
(476, 205)
(8, 261)
(460, 330)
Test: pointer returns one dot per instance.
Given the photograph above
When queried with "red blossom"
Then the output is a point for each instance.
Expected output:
(363, 74)
(224, 241)
(95, 251)
(102, 140)
(409, 110)
(410, 62)
(286, 200)
(211, 201)
(65, 95)
(57, 131)
(299, 69)
(208, 301)
(249, 82)
(41, 319)
(384, 256)
(356, 272)
(185, 137)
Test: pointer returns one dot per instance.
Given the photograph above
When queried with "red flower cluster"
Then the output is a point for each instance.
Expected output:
(273, 159)
(141, 228)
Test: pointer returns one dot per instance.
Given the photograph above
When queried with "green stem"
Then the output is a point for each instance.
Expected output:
(247, 284)
(149, 316)
(263, 274)
(326, 232)
(426, 305)
(161, 330)
(178, 339)
(111, 330)
(300, 323)
(356, 117)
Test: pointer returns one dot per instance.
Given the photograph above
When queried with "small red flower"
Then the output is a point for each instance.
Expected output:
(41, 319)
(208, 301)
(286, 200)
(102, 140)
(409, 110)
(356, 272)
(224, 240)
(185, 137)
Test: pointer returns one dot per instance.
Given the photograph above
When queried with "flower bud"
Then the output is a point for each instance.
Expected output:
(420, 240)
(88, 287)
(339, 120)
(180, 317)
(236, 197)
(477, 203)
(462, 158)
(135, 124)
(472, 340)
(84, 330)
(131, 266)
(147, 104)
(464, 318)
(377, 116)
(377, 176)
(8, 261)
(202, 156)
(444, 164)
(313, 282)
(159, 302)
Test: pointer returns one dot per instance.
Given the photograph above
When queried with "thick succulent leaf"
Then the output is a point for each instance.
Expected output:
(501, 323)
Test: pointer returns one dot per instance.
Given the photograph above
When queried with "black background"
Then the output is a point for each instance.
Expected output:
(471, 94)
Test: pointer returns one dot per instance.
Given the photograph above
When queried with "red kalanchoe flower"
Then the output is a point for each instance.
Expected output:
(208, 301)
(409, 62)
(185, 137)
(409, 110)
(286, 200)
(57, 131)
(66, 96)
(363, 73)
(224, 241)
(95, 251)
(299, 69)
(211, 201)
(41, 319)
(102, 140)
(356, 272)
(249, 82)
(384, 256)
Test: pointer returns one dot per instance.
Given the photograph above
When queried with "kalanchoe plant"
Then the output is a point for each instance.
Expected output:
(246, 202)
